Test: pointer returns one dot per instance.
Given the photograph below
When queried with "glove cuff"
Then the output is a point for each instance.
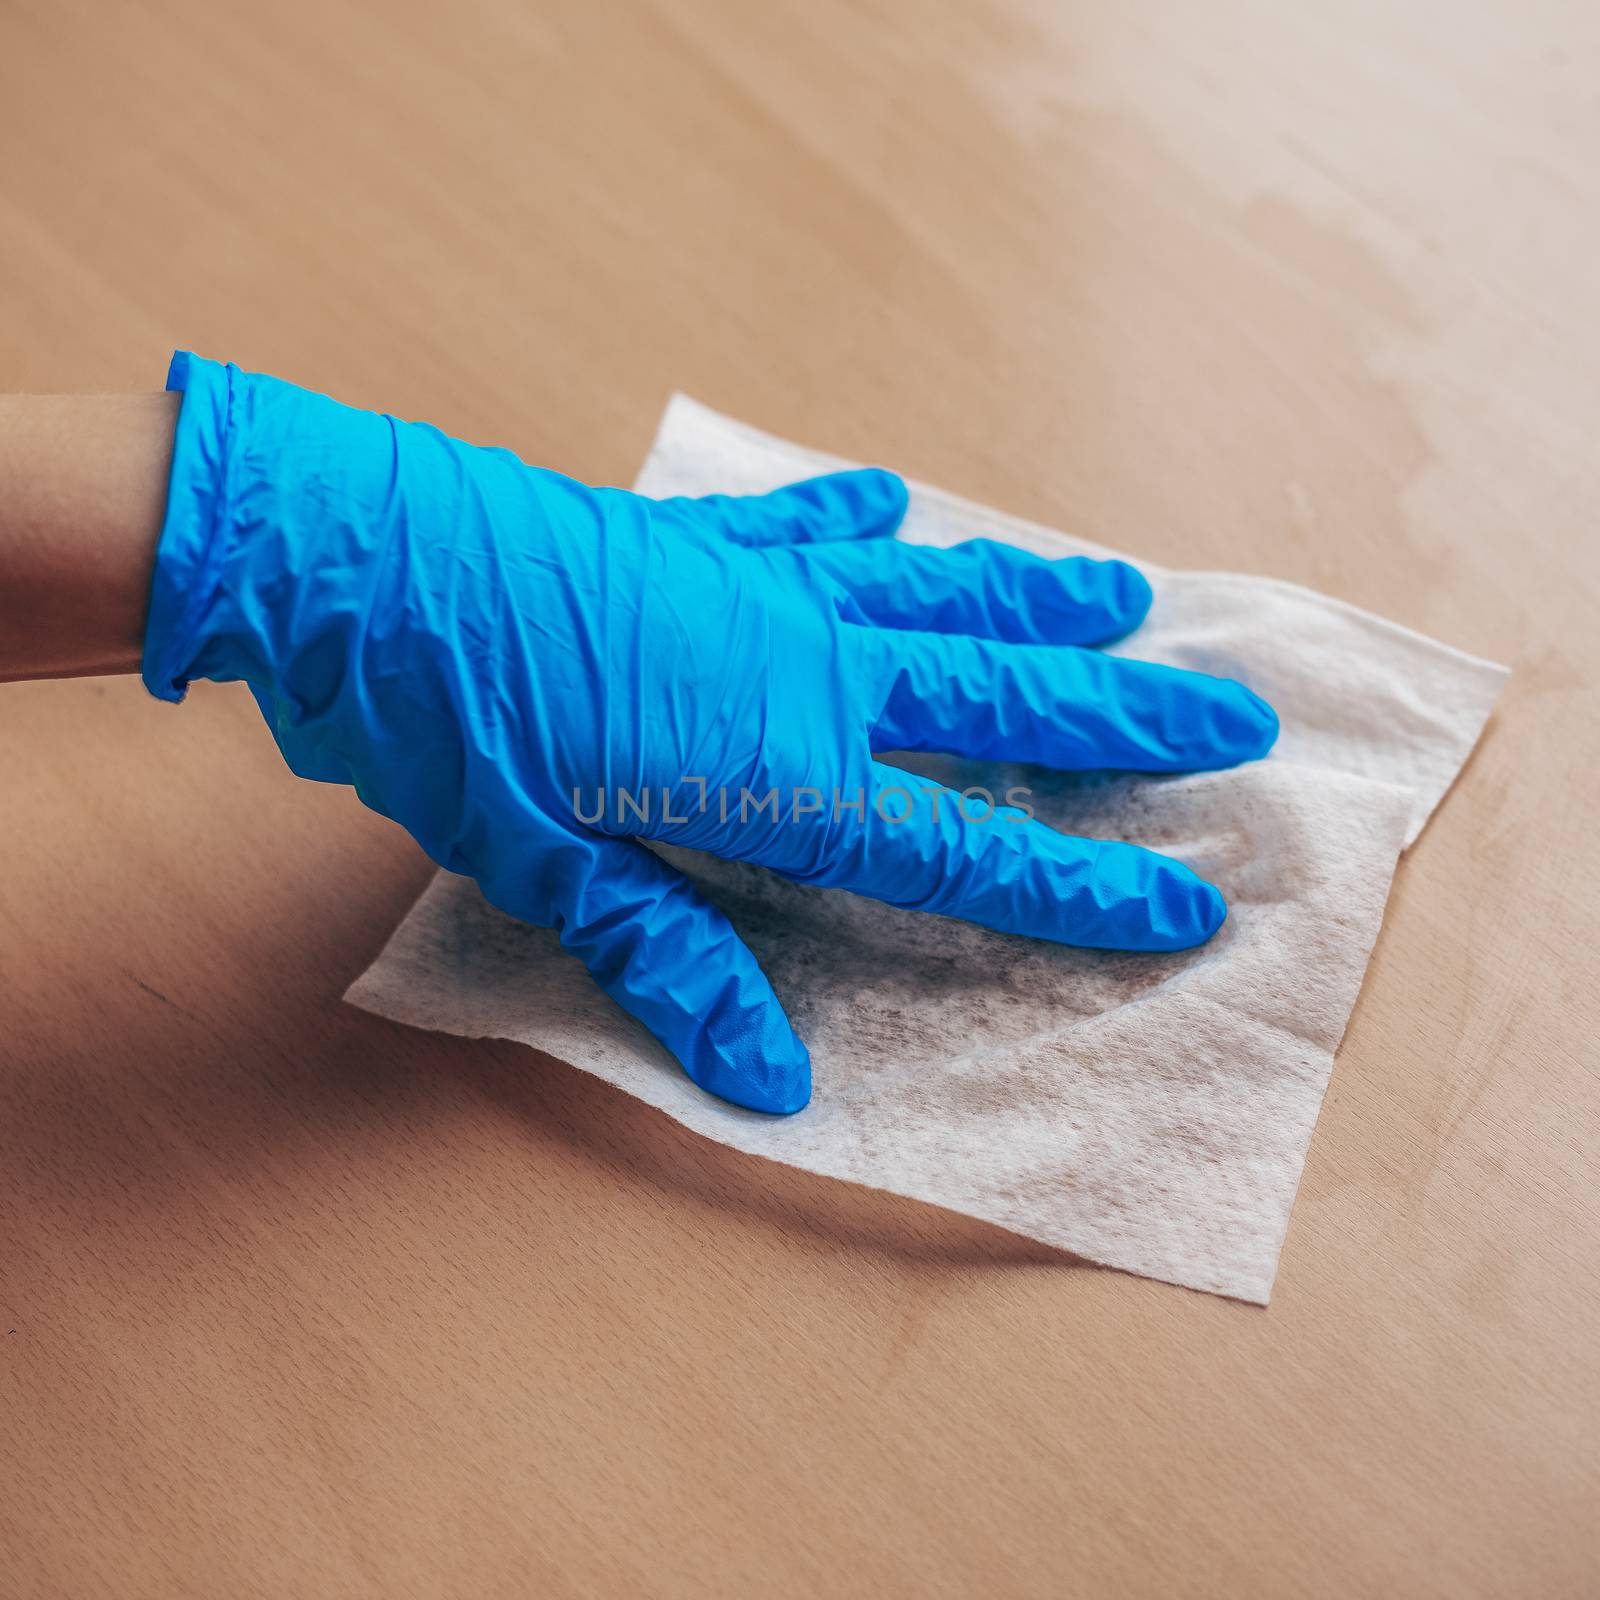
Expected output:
(190, 552)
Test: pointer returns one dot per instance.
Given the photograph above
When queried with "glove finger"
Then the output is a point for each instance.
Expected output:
(995, 591)
(669, 957)
(1060, 706)
(918, 845)
(866, 503)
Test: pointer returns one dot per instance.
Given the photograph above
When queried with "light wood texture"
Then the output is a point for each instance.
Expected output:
(295, 1302)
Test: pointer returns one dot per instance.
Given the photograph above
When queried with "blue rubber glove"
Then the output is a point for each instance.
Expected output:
(531, 676)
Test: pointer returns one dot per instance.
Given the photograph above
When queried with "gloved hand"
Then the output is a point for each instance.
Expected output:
(531, 675)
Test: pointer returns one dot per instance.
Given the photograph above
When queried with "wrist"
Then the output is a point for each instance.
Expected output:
(82, 484)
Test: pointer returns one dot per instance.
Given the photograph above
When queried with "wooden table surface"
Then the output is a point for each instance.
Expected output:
(297, 1302)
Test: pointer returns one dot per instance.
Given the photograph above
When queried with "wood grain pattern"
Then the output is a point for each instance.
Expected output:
(295, 1302)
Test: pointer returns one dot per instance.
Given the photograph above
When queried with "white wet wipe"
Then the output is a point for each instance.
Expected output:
(1148, 1112)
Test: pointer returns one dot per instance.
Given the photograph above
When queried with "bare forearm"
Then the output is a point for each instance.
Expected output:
(83, 483)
